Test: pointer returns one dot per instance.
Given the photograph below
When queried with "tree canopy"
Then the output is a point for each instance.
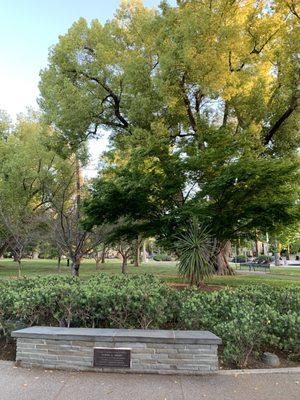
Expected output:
(202, 102)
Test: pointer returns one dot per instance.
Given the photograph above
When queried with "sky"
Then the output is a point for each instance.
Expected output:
(27, 30)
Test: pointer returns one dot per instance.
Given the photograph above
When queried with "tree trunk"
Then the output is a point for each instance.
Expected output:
(98, 258)
(103, 255)
(137, 253)
(222, 266)
(145, 259)
(76, 261)
(75, 267)
(256, 248)
(3, 247)
(124, 264)
(68, 262)
(277, 254)
(19, 268)
(59, 264)
(288, 251)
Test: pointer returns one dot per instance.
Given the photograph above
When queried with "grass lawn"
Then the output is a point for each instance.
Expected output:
(167, 271)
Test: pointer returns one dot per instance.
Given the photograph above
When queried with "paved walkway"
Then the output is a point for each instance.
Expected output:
(38, 384)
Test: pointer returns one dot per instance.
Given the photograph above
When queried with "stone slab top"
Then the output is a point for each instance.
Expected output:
(118, 335)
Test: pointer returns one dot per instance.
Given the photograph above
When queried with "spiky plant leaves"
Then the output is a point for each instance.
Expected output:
(196, 254)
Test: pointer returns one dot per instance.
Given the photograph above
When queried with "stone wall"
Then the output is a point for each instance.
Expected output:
(152, 351)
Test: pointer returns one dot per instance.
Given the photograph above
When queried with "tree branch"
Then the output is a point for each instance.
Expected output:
(291, 108)
(188, 105)
(111, 94)
(292, 8)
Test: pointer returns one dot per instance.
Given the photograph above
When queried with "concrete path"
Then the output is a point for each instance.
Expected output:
(38, 384)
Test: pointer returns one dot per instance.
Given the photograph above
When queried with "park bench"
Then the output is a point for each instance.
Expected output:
(258, 265)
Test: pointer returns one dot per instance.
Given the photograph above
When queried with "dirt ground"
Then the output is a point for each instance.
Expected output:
(206, 288)
(7, 349)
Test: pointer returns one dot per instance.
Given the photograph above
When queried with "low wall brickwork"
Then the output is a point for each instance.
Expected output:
(180, 352)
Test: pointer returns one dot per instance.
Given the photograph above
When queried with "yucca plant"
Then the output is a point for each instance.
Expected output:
(196, 254)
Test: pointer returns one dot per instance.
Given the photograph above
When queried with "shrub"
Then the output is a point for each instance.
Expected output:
(162, 257)
(263, 258)
(240, 259)
(249, 320)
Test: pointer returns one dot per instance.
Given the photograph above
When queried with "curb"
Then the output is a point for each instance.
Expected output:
(234, 372)
(293, 370)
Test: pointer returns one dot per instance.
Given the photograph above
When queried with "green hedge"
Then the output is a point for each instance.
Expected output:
(162, 257)
(249, 319)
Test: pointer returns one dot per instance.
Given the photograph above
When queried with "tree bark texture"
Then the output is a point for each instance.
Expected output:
(222, 264)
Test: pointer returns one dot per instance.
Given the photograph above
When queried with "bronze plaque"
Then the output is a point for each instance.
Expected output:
(112, 358)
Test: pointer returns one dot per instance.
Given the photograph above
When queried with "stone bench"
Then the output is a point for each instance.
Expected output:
(118, 350)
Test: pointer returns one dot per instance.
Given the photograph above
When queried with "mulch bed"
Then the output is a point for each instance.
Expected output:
(254, 363)
(7, 349)
(206, 288)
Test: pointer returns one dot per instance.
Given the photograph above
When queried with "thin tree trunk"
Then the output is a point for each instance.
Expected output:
(103, 255)
(144, 252)
(76, 262)
(59, 264)
(277, 254)
(288, 251)
(137, 252)
(222, 263)
(256, 248)
(124, 264)
(238, 247)
(19, 268)
(98, 258)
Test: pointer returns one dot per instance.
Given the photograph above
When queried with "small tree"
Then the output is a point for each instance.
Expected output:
(98, 254)
(196, 254)
(22, 229)
(124, 248)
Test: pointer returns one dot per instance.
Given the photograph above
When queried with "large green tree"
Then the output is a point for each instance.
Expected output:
(25, 169)
(209, 87)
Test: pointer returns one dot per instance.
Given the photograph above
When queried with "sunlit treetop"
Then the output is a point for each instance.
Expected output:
(225, 64)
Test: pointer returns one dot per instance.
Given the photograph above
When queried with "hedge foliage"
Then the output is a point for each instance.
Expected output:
(249, 319)
(162, 257)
